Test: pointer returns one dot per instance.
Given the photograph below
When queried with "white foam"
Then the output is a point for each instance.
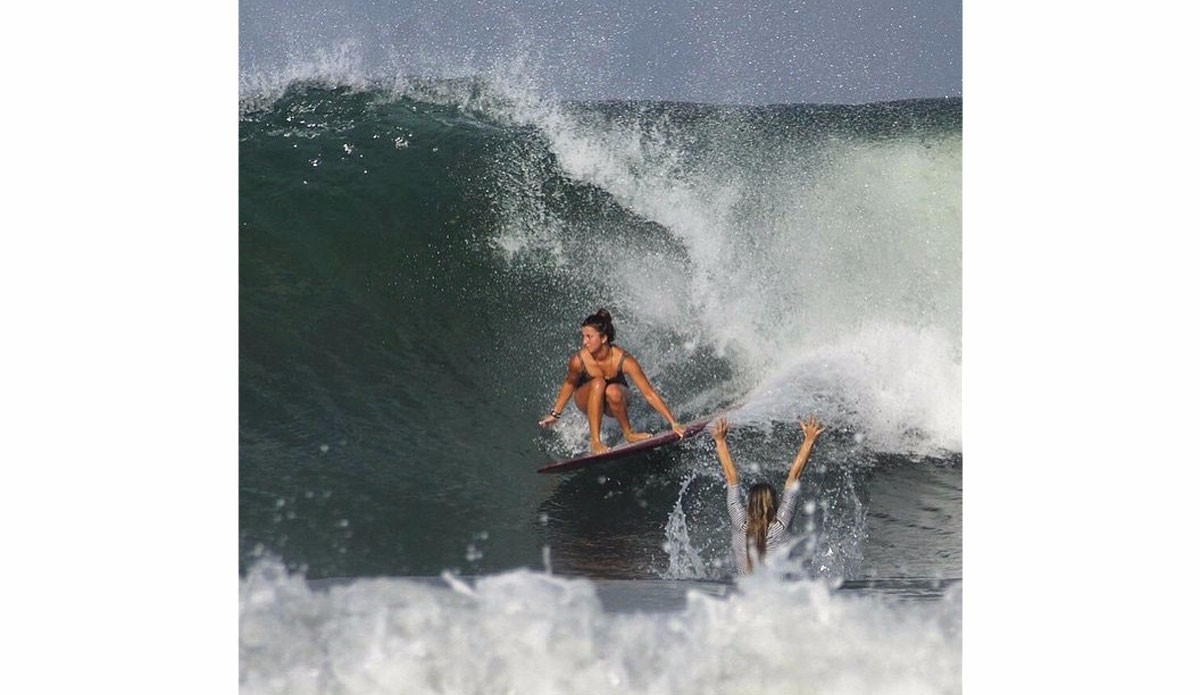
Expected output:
(899, 388)
(528, 632)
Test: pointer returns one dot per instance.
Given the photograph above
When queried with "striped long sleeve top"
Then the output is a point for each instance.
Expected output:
(778, 535)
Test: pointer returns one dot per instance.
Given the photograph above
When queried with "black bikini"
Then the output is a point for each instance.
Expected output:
(618, 379)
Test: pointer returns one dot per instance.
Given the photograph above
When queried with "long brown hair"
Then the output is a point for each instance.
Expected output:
(760, 512)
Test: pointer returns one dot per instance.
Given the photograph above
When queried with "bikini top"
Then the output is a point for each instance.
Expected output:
(618, 379)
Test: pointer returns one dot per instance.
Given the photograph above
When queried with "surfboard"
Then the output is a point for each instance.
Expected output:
(627, 449)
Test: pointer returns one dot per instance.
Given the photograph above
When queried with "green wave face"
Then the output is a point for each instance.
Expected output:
(416, 256)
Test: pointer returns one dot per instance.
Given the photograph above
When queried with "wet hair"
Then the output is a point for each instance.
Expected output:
(602, 322)
(760, 512)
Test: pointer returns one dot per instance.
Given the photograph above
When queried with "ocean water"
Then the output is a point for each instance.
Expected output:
(415, 258)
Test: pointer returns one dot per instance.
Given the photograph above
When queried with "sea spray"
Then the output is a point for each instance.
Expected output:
(839, 266)
(529, 632)
(683, 560)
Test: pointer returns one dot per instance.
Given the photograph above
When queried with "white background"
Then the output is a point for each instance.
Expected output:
(119, 269)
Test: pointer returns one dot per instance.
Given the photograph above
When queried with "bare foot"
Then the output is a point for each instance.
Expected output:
(598, 447)
(636, 436)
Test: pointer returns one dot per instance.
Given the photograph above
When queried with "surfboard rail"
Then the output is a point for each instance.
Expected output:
(627, 449)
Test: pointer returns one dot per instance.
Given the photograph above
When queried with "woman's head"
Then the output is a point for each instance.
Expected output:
(602, 330)
(760, 512)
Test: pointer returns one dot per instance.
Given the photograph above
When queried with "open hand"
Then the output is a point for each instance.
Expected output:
(547, 421)
(811, 428)
(720, 428)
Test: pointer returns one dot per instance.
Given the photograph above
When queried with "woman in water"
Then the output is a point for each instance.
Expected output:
(596, 375)
(765, 529)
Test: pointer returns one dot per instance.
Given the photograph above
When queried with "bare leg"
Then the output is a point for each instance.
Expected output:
(616, 398)
(590, 399)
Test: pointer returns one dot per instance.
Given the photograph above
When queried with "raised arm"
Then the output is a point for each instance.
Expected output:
(574, 369)
(634, 370)
(720, 427)
(811, 428)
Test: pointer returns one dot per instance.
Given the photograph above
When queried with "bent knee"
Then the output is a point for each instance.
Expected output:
(614, 393)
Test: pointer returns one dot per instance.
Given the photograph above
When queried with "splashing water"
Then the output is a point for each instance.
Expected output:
(684, 562)
(534, 633)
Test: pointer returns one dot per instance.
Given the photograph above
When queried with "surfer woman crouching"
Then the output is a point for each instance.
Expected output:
(764, 531)
(596, 375)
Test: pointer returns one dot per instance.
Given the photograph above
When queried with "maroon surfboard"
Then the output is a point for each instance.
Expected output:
(689, 430)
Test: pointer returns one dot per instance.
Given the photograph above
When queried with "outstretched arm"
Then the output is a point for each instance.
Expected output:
(574, 368)
(811, 428)
(718, 435)
(633, 369)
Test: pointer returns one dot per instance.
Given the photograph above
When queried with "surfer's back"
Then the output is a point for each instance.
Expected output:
(778, 534)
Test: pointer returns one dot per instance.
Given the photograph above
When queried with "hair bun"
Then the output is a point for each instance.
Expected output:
(602, 321)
